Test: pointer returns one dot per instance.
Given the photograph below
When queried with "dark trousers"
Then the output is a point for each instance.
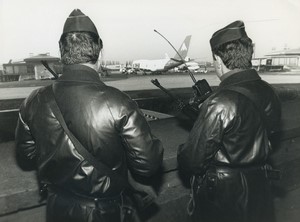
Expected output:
(224, 195)
(65, 207)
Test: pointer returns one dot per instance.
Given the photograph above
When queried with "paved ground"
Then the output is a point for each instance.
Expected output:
(144, 82)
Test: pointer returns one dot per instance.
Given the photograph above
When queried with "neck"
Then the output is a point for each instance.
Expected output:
(222, 70)
(229, 73)
(93, 66)
(225, 70)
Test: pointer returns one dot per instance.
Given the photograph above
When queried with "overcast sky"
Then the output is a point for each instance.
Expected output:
(126, 26)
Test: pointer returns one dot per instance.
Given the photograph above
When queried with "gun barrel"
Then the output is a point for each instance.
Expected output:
(46, 65)
(156, 83)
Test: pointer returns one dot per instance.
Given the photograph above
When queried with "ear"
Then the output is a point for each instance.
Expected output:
(98, 63)
(60, 47)
(219, 66)
(219, 60)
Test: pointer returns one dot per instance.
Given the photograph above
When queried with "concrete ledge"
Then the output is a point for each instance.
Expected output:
(19, 189)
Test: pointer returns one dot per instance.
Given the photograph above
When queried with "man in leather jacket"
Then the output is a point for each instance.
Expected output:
(228, 146)
(105, 121)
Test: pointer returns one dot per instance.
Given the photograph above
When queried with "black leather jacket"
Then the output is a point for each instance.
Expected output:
(105, 120)
(229, 129)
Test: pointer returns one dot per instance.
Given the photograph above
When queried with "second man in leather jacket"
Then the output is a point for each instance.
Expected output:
(228, 147)
(105, 120)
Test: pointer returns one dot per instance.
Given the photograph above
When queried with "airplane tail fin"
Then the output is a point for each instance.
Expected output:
(167, 56)
(184, 48)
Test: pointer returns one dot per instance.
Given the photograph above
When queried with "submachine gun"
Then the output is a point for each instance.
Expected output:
(201, 90)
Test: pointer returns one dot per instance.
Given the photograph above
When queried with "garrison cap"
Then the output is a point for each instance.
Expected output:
(79, 22)
(233, 31)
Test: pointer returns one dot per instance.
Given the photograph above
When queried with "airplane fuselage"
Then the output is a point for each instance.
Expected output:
(151, 65)
(163, 65)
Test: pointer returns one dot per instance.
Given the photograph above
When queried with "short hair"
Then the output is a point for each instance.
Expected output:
(236, 53)
(80, 47)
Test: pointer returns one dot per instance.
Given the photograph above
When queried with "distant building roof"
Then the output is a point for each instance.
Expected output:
(285, 52)
(15, 63)
(40, 57)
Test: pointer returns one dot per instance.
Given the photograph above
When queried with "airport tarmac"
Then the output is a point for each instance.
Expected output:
(130, 83)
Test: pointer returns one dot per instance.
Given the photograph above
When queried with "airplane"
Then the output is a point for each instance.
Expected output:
(162, 65)
(191, 65)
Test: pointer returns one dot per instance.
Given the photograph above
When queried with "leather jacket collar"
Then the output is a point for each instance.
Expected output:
(240, 77)
(79, 73)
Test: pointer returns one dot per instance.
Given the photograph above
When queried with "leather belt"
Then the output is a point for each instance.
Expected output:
(249, 169)
(264, 170)
(87, 200)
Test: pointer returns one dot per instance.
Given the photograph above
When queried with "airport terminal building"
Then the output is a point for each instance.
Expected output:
(289, 58)
(29, 68)
(285, 60)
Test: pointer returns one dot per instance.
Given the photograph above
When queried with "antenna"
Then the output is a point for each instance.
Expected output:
(189, 71)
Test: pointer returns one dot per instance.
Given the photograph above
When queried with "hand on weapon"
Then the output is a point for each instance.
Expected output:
(180, 104)
(187, 109)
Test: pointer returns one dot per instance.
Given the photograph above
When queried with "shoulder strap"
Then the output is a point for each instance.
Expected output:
(78, 146)
(250, 96)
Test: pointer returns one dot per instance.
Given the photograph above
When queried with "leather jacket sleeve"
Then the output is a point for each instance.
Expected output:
(25, 144)
(144, 152)
(204, 139)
